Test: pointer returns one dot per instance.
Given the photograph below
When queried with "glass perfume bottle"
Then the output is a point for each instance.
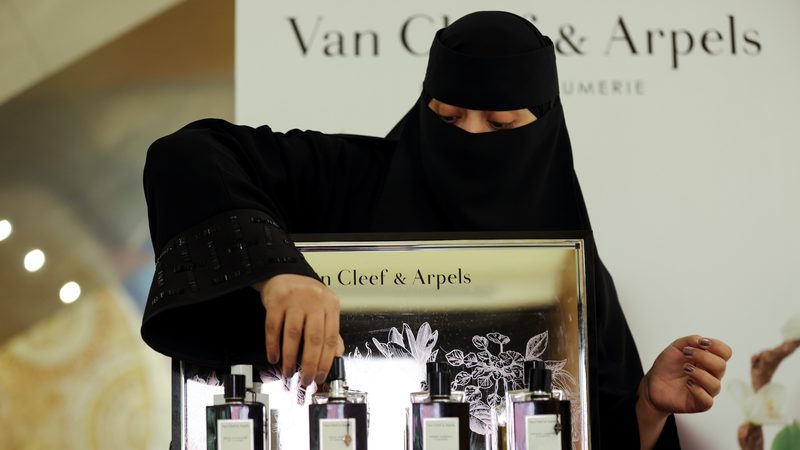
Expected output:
(439, 416)
(337, 417)
(538, 417)
(502, 410)
(237, 424)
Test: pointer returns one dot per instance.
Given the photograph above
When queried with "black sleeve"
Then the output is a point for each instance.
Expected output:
(619, 372)
(221, 201)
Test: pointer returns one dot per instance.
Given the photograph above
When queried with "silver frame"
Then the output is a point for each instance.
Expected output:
(355, 245)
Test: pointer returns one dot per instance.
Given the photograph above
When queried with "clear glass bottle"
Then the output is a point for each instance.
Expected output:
(439, 416)
(502, 412)
(538, 417)
(237, 424)
(337, 416)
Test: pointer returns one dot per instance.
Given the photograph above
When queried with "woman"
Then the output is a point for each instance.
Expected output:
(485, 148)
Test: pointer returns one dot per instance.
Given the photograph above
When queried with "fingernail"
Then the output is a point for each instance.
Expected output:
(688, 351)
(688, 368)
(320, 378)
(690, 382)
(705, 342)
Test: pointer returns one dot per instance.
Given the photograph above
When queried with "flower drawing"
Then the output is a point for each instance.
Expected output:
(487, 376)
(405, 344)
(486, 373)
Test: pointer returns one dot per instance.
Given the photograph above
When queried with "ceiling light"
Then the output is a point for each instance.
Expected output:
(34, 260)
(69, 292)
(5, 229)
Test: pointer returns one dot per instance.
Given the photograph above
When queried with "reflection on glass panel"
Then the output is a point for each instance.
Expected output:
(482, 307)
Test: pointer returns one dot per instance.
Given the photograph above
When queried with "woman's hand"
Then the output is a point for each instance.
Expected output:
(299, 307)
(685, 378)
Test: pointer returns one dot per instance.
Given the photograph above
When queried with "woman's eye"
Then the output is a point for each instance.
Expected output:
(448, 119)
(500, 125)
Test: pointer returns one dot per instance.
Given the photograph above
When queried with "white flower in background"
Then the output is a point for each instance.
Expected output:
(791, 330)
(762, 407)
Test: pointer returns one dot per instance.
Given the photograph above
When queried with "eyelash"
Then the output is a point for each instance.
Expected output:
(501, 125)
(493, 123)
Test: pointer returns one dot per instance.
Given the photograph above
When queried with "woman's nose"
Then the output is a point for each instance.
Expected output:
(474, 122)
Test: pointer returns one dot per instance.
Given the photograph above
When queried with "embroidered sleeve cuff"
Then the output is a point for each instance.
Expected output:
(201, 307)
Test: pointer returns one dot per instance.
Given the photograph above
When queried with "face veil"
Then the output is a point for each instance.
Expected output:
(443, 178)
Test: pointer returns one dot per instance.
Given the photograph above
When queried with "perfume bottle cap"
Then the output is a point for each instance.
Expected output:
(234, 387)
(247, 371)
(527, 365)
(438, 378)
(337, 370)
(540, 378)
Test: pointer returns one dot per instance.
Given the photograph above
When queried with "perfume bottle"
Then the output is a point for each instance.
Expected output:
(439, 416)
(237, 424)
(337, 417)
(538, 417)
(502, 410)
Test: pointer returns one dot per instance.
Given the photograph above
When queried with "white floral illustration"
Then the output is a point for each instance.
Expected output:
(420, 348)
(487, 376)
(486, 373)
(210, 380)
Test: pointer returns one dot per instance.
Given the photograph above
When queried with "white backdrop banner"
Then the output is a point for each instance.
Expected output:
(684, 123)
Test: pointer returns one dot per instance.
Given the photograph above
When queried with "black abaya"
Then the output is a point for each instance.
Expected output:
(222, 199)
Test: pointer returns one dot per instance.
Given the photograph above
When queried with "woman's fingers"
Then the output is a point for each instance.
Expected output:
(712, 363)
(330, 347)
(313, 339)
(716, 347)
(292, 332)
(300, 311)
(706, 360)
(702, 398)
(274, 328)
(702, 378)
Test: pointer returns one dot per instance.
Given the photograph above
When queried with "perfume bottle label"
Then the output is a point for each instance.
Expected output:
(440, 434)
(337, 434)
(235, 435)
(542, 432)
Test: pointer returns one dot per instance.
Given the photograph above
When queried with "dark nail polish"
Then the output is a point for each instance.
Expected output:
(688, 368)
(690, 382)
(688, 351)
(705, 342)
(320, 378)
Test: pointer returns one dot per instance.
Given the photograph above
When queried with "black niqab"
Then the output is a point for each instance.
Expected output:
(508, 180)
(443, 178)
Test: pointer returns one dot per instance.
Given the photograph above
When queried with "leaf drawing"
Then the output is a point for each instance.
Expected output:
(480, 342)
(536, 346)
(455, 357)
(462, 378)
(498, 338)
(480, 417)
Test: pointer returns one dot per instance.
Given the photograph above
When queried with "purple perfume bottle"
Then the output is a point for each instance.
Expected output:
(538, 417)
(337, 416)
(237, 424)
(439, 416)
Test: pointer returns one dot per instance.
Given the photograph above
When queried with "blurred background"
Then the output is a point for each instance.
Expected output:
(85, 87)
